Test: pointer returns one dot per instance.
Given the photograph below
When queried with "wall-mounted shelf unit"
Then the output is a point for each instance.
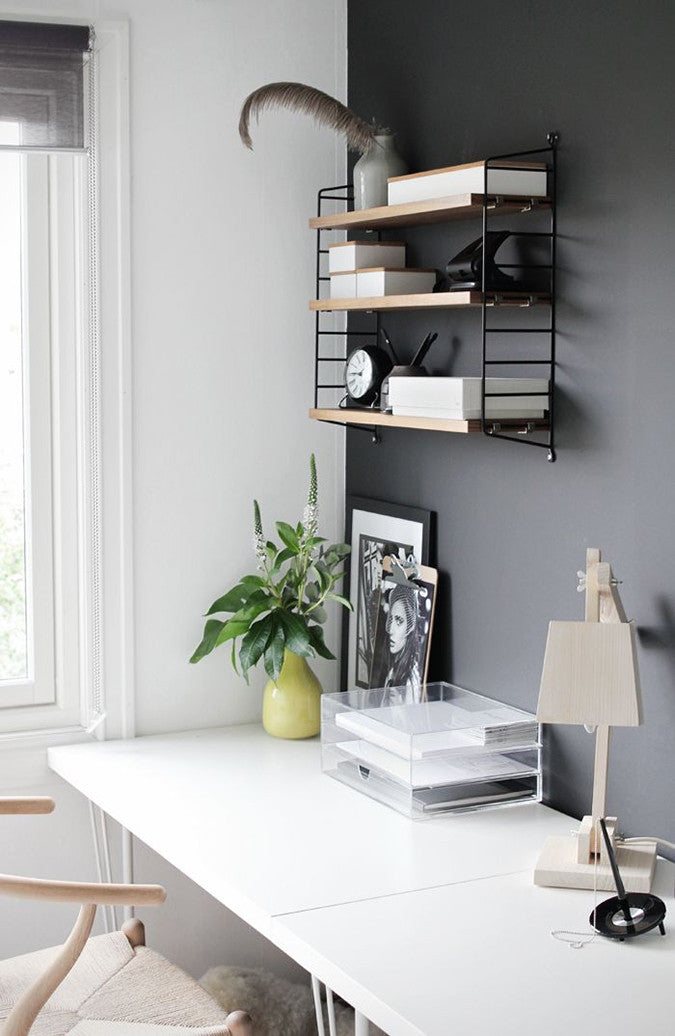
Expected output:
(445, 210)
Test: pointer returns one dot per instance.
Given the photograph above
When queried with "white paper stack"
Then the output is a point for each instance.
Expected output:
(460, 398)
(434, 772)
(468, 179)
(349, 256)
(379, 281)
(437, 727)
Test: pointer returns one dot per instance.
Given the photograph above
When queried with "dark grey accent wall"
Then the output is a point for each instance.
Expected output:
(458, 81)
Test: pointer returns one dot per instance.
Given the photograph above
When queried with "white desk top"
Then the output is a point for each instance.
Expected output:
(479, 958)
(256, 823)
(417, 923)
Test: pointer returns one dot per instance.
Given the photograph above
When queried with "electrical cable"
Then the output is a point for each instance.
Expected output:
(577, 940)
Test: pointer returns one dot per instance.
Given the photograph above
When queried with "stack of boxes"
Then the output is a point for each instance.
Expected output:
(365, 269)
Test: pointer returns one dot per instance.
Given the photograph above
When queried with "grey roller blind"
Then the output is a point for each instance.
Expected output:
(42, 85)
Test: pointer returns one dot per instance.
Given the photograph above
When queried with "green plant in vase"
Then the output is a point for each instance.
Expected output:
(276, 617)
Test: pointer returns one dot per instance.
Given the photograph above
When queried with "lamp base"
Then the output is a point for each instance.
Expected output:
(558, 867)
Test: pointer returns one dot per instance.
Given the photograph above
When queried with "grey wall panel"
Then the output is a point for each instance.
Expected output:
(457, 82)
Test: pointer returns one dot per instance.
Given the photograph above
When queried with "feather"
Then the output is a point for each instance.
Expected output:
(310, 101)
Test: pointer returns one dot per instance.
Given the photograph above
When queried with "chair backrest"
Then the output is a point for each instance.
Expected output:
(87, 895)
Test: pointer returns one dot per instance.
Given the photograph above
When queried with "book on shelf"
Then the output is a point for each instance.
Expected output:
(505, 178)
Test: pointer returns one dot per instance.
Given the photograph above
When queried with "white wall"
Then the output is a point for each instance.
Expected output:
(222, 268)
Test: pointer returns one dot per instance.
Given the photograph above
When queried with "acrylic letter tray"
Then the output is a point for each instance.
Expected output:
(456, 751)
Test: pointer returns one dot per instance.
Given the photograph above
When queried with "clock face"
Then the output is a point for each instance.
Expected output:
(359, 374)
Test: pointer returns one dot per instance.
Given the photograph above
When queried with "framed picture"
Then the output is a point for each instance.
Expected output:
(374, 529)
(405, 619)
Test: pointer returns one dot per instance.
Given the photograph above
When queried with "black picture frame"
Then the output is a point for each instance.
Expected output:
(376, 519)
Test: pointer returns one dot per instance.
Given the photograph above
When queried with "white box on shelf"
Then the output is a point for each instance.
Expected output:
(343, 285)
(359, 255)
(492, 411)
(454, 751)
(468, 179)
(379, 281)
(460, 398)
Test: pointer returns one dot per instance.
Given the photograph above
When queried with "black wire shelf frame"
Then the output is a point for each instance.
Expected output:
(490, 303)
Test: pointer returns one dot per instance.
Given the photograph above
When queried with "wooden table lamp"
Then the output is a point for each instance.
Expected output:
(590, 677)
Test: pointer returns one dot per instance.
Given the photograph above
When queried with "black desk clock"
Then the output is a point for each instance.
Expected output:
(365, 370)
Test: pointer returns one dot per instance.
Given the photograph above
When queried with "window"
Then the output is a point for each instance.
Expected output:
(53, 520)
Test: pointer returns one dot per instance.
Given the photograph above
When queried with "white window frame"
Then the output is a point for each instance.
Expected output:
(92, 400)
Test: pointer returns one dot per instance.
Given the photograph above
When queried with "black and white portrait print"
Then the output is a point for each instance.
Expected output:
(402, 638)
(371, 554)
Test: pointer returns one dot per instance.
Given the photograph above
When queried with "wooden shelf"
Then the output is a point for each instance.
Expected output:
(416, 213)
(430, 300)
(375, 419)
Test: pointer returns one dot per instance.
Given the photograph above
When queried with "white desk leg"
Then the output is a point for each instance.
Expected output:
(361, 1024)
(103, 868)
(332, 1027)
(318, 1010)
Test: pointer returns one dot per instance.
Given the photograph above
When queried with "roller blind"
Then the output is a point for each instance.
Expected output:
(42, 85)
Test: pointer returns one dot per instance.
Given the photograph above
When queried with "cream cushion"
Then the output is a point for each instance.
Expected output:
(114, 990)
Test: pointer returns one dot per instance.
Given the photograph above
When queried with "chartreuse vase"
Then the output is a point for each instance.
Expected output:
(292, 705)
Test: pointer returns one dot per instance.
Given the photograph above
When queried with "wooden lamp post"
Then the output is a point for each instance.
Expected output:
(590, 677)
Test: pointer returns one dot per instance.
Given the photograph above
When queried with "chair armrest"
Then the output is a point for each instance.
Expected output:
(16, 805)
(81, 891)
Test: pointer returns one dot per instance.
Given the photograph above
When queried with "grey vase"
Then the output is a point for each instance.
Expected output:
(373, 169)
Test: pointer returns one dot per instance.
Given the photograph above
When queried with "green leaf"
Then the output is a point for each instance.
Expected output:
(323, 576)
(255, 642)
(297, 635)
(232, 600)
(282, 557)
(252, 581)
(319, 614)
(341, 600)
(312, 592)
(289, 536)
(231, 629)
(274, 655)
(251, 612)
(314, 541)
(341, 549)
(318, 643)
(234, 656)
(272, 550)
(209, 639)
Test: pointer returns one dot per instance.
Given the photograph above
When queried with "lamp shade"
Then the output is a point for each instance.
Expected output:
(590, 675)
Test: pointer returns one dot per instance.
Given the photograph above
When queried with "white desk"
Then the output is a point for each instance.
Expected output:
(220, 805)
(479, 958)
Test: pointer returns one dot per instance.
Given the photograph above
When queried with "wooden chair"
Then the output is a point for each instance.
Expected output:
(110, 985)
